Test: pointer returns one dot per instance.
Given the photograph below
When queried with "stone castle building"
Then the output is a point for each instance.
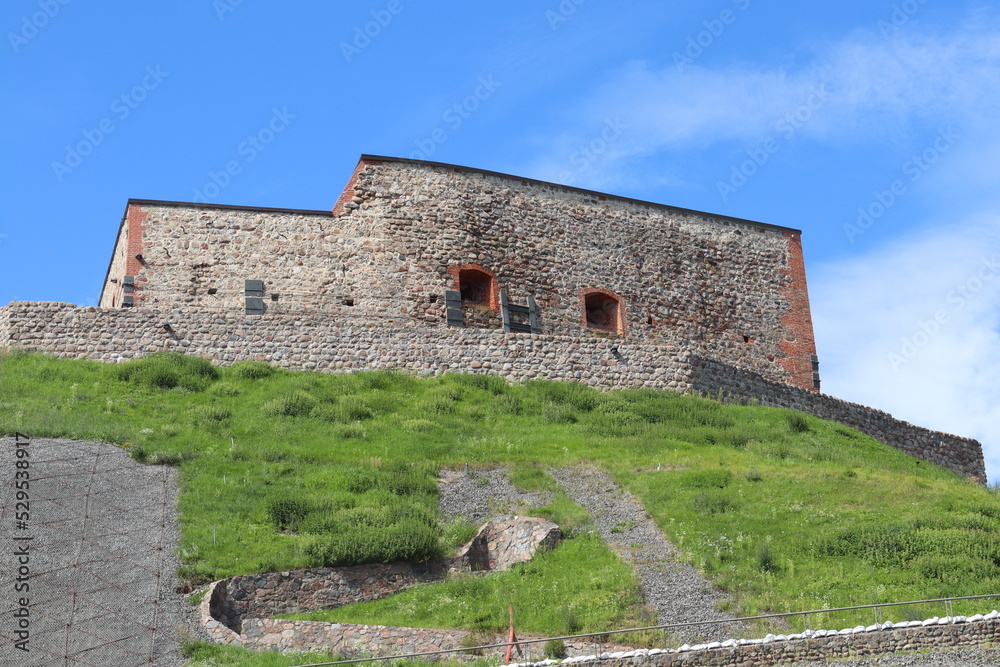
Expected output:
(404, 233)
(430, 268)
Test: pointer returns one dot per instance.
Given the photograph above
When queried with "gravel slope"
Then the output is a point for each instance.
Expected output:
(678, 592)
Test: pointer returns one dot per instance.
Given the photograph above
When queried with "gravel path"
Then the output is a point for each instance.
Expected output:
(101, 555)
(678, 592)
(479, 495)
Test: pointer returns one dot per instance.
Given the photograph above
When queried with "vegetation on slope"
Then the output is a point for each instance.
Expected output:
(284, 470)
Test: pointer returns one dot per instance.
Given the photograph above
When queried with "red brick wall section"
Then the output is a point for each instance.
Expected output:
(136, 222)
(345, 201)
(798, 342)
(620, 328)
(493, 300)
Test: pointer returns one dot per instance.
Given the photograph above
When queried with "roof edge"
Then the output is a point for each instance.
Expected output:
(571, 188)
(228, 207)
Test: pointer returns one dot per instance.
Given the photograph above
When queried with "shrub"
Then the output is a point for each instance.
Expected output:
(294, 404)
(766, 560)
(169, 458)
(458, 533)
(797, 422)
(437, 405)
(286, 513)
(884, 544)
(510, 404)
(354, 408)
(554, 649)
(579, 396)
(167, 370)
(491, 383)
(225, 389)
(615, 424)
(706, 479)
(753, 475)
(560, 414)
(713, 502)
(386, 379)
(398, 479)
(212, 413)
(475, 639)
(406, 540)
(348, 431)
(252, 370)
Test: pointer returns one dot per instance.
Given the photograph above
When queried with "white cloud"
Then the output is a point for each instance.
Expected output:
(866, 86)
(913, 328)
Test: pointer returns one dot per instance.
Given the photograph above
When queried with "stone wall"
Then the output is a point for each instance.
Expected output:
(403, 229)
(353, 640)
(328, 344)
(821, 646)
(962, 455)
(498, 545)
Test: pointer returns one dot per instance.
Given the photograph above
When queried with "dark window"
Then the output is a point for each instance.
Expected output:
(603, 311)
(476, 286)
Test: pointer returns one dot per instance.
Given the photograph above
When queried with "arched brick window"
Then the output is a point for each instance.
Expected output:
(602, 310)
(477, 285)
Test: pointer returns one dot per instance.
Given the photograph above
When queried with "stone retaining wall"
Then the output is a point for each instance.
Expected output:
(930, 635)
(318, 343)
(497, 545)
(354, 640)
(962, 455)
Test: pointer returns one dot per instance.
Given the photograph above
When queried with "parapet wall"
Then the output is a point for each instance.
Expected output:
(324, 344)
(962, 455)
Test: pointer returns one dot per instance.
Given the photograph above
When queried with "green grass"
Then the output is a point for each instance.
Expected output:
(288, 470)
(579, 587)
(204, 654)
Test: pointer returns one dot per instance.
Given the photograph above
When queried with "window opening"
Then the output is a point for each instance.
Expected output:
(603, 310)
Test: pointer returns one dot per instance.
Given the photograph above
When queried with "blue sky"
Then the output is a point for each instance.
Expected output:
(869, 125)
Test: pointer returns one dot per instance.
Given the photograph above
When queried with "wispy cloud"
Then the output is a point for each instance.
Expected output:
(913, 328)
(884, 86)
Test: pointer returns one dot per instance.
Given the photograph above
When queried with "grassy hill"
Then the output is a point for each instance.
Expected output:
(284, 470)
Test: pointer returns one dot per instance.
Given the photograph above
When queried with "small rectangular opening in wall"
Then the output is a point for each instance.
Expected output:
(274, 296)
(348, 302)
(254, 287)
(254, 305)
(212, 290)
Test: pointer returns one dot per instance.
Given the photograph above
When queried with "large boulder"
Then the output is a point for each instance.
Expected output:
(507, 540)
